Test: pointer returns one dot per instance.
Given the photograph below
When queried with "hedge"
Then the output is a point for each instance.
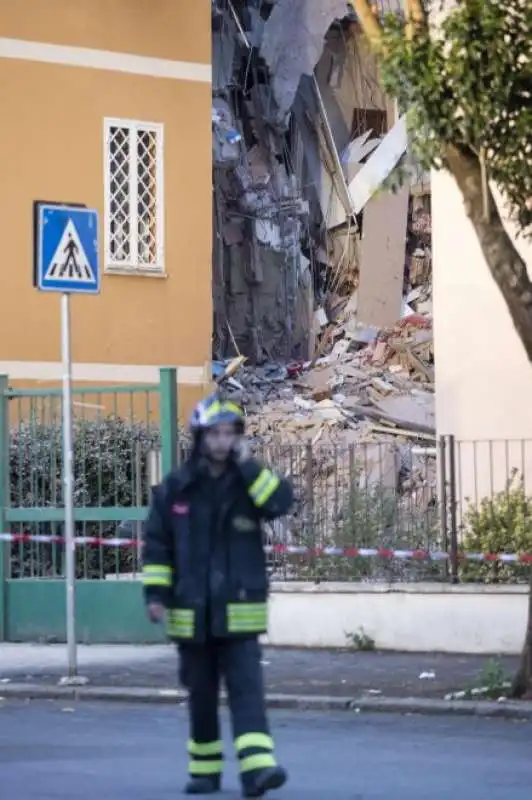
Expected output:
(106, 455)
(499, 524)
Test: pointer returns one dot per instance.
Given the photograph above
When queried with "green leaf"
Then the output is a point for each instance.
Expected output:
(470, 85)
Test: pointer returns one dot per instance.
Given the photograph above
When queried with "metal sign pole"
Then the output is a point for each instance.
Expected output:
(66, 261)
(68, 489)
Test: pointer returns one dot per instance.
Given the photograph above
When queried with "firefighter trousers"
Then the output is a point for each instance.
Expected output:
(236, 662)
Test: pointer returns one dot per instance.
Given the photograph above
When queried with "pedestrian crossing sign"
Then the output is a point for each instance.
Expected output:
(66, 257)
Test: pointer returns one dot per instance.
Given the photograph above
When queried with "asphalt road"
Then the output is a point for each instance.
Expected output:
(48, 750)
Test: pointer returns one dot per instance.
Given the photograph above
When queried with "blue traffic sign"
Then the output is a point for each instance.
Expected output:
(66, 257)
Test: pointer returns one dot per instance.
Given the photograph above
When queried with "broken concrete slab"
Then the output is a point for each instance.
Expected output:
(379, 165)
(292, 42)
(415, 410)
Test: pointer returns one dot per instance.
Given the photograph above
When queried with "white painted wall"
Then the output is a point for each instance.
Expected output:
(405, 617)
(483, 378)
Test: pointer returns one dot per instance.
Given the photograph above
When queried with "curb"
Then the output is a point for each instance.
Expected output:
(389, 705)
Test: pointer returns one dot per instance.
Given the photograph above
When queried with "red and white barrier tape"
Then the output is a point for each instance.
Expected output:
(347, 552)
(90, 541)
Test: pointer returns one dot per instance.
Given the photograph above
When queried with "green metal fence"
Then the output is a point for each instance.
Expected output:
(119, 432)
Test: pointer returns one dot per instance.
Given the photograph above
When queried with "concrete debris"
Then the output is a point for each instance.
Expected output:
(357, 394)
(292, 42)
(358, 149)
(379, 165)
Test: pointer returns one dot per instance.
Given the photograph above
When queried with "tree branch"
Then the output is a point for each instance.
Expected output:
(417, 12)
(507, 267)
(368, 22)
(416, 18)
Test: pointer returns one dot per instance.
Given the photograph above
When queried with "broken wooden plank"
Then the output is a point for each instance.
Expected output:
(427, 437)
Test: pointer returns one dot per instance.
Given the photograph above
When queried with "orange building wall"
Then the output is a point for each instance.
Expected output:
(52, 141)
(174, 29)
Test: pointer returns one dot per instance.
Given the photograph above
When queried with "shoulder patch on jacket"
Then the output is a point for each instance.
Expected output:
(244, 524)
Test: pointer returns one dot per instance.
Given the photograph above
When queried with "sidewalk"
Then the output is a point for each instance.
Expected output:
(335, 674)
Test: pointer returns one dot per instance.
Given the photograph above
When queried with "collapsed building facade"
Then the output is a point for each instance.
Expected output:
(303, 135)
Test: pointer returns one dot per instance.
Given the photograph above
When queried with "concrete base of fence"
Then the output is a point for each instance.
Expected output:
(424, 617)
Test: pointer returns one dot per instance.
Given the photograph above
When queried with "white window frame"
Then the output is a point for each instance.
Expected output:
(134, 266)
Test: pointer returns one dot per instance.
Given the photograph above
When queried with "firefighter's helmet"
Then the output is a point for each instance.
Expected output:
(214, 410)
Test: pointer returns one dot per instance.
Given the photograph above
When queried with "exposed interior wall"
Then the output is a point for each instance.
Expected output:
(293, 85)
(349, 80)
(380, 293)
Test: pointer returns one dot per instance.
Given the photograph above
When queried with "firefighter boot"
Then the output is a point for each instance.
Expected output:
(203, 784)
(259, 781)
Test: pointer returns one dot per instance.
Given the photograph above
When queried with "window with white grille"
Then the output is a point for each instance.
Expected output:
(134, 207)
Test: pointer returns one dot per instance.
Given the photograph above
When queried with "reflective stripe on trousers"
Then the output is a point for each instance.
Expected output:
(206, 758)
(255, 751)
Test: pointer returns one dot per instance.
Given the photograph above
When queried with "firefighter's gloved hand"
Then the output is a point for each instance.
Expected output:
(156, 612)
(242, 451)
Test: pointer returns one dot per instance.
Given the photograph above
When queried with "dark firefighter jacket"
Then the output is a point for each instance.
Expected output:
(204, 560)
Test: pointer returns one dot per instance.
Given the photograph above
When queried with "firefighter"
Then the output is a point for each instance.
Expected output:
(204, 568)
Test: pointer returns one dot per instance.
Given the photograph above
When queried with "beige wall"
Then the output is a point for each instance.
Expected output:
(483, 378)
(52, 141)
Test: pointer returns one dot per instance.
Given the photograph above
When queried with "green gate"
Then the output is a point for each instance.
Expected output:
(123, 437)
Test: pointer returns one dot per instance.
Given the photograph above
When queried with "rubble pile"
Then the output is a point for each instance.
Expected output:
(372, 384)
(419, 257)
(355, 430)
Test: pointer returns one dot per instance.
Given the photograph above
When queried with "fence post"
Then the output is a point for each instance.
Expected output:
(453, 505)
(443, 504)
(5, 548)
(310, 499)
(168, 410)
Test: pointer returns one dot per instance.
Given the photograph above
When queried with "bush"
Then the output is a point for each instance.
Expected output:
(110, 456)
(500, 524)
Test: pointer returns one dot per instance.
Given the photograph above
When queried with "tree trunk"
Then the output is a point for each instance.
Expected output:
(522, 683)
(510, 274)
(507, 267)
